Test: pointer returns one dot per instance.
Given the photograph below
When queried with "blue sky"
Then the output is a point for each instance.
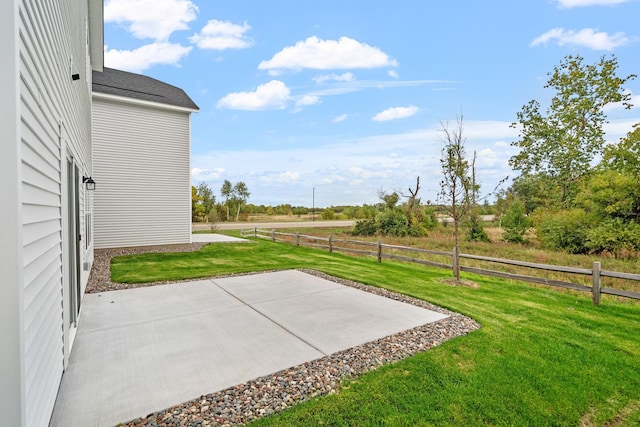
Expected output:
(349, 97)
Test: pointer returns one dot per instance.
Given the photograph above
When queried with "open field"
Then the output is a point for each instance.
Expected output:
(199, 227)
(542, 357)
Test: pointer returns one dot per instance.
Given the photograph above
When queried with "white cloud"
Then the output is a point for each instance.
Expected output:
(365, 164)
(344, 77)
(393, 73)
(587, 37)
(344, 87)
(380, 170)
(206, 174)
(274, 95)
(488, 129)
(487, 158)
(317, 54)
(616, 129)
(612, 106)
(568, 4)
(307, 100)
(220, 35)
(288, 176)
(138, 60)
(275, 178)
(396, 113)
(340, 118)
(151, 19)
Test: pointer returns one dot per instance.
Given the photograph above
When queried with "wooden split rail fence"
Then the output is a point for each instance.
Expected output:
(381, 251)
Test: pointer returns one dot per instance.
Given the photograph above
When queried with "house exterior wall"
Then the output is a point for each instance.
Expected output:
(11, 368)
(45, 118)
(142, 173)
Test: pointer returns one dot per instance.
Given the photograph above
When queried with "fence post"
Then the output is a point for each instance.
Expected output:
(330, 243)
(454, 263)
(255, 232)
(596, 284)
(379, 250)
(273, 235)
(242, 232)
(297, 239)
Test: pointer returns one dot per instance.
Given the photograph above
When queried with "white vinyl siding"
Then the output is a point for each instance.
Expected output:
(52, 34)
(142, 174)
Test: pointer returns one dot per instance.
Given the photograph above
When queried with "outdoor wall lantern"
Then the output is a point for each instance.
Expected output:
(89, 183)
(75, 74)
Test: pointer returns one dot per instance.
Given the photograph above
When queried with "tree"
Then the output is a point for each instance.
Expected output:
(197, 210)
(535, 191)
(456, 185)
(625, 155)
(413, 198)
(391, 219)
(476, 232)
(226, 191)
(514, 222)
(389, 199)
(240, 194)
(563, 141)
(207, 199)
(611, 194)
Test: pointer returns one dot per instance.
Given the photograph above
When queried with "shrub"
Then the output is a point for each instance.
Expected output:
(393, 222)
(566, 229)
(514, 223)
(615, 236)
(328, 214)
(476, 232)
(365, 227)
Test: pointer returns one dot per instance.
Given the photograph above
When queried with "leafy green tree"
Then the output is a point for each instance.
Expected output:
(563, 141)
(207, 199)
(611, 194)
(515, 223)
(240, 194)
(226, 191)
(197, 210)
(390, 200)
(625, 155)
(535, 191)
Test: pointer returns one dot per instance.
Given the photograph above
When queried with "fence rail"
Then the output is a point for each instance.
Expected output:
(350, 246)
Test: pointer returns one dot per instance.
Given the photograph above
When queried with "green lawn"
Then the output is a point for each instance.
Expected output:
(542, 357)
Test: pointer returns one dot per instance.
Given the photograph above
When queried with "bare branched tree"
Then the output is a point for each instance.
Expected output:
(413, 198)
(456, 187)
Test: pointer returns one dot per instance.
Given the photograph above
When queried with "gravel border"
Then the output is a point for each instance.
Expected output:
(270, 394)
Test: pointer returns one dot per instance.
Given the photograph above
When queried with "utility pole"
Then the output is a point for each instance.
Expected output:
(313, 209)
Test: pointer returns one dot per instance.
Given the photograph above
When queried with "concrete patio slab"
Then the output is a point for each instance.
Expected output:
(142, 350)
(329, 316)
(215, 238)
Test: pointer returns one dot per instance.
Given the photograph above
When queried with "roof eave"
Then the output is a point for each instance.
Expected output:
(96, 34)
(127, 100)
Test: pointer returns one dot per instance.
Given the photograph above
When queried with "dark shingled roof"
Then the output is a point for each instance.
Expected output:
(137, 86)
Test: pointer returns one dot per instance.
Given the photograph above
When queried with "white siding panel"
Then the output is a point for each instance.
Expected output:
(52, 33)
(33, 213)
(142, 172)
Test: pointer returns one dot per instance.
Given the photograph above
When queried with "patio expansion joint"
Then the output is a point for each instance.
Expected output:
(156, 319)
(266, 316)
